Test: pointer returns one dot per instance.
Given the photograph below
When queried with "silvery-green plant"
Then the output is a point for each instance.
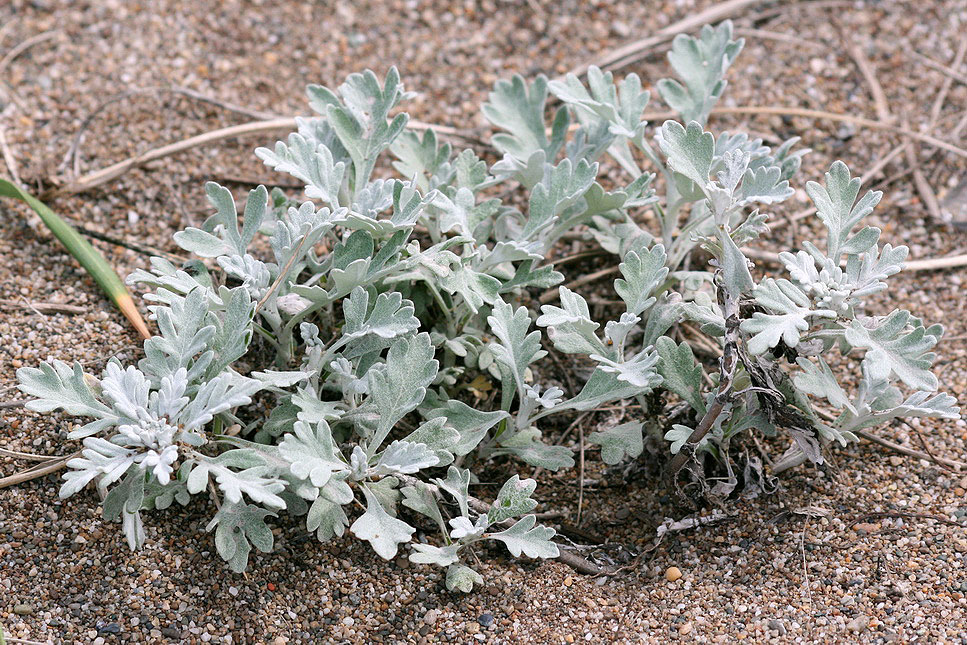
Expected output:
(390, 302)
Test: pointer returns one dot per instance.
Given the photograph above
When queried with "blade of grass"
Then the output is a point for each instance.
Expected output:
(89, 258)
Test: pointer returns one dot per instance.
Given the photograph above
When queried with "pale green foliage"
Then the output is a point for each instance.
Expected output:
(385, 302)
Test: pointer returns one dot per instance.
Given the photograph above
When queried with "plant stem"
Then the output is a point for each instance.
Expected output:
(728, 364)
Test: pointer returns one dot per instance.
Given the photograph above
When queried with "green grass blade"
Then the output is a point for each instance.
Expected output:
(89, 258)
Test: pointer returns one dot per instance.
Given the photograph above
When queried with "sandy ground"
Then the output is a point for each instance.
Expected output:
(808, 564)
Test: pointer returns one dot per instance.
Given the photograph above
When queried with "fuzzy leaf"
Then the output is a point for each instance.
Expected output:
(892, 348)
(619, 441)
(680, 372)
(513, 499)
(380, 529)
(462, 577)
(532, 541)
(237, 528)
(642, 275)
(517, 349)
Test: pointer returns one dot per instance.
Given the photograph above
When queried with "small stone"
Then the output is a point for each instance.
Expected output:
(858, 624)
(568, 581)
(672, 574)
(430, 617)
(280, 640)
(896, 461)
(171, 632)
(866, 528)
(348, 621)
(685, 628)
(109, 628)
(233, 591)
(622, 514)
(23, 610)
(485, 620)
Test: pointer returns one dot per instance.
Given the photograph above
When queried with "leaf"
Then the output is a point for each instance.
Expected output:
(457, 484)
(569, 326)
(360, 119)
(254, 480)
(85, 254)
(679, 435)
(399, 385)
(391, 316)
(835, 205)
(124, 502)
(701, 64)
(326, 518)
(312, 454)
(638, 371)
(517, 349)
(477, 289)
(527, 445)
(404, 457)
(438, 437)
(462, 577)
(237, 528)
(382, 531)
(618, 442)
(440, 556)
(791, 319)
(619, 105)
(524, 537)
(642, 275)
(689, 150)
(519, 109)
(57, 386)
(423, 158)
(421, 499)
(309, 162)
(472, 424)
(893, 349)
(680, 372)
(513, 499)
(603, 387)
(819, 381)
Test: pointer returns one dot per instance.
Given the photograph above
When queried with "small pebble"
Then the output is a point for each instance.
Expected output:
(23, 610)
(486, 620)
(672, 574)
(430, 617)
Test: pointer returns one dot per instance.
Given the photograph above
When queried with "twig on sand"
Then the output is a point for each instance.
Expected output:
(24, 46)
(44, 307)
(8, 157)
(903, 450)
(38, 471)
(104, 175)
(635, 51)
(876, 90)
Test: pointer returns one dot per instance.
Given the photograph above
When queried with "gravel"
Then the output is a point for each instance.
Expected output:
(777, 568)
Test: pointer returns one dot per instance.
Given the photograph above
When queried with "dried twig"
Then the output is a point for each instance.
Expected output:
(876, 90)
(24, 46)
(926, 192)
(903, 450)
(44, 307)
(635, 51)
(104, 175)
(8, 157)
(947, 82)
(940, 67)
(930, 264)
(551, 294)
(37, 471)
(73, 153)
(29, 456)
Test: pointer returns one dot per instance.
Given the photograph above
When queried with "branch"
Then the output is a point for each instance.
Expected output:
(728, 363)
